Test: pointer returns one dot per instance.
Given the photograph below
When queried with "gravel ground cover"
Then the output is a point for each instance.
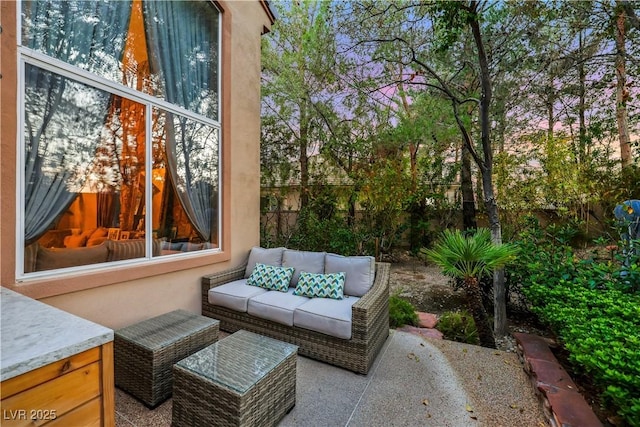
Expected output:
(495, 378)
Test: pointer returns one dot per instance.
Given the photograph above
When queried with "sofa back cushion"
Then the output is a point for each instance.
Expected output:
(49, 259)
(271, 256)
(125, 249)
(311, 262)
(359, 272)
(129, 249)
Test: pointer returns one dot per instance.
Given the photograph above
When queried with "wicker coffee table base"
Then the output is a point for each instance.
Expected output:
(145, 352)
(198, 401)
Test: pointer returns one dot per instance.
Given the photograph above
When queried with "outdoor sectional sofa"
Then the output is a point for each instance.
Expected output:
(347, 332)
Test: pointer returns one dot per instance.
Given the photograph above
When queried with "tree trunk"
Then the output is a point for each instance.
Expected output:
(479, 314)
(486, 168)
(549, 104)
(622, 93)
(353, 197)
(466, 188)
(303, 157)
(417, 212)
(582, 75)
(499, 289)
(499, 304)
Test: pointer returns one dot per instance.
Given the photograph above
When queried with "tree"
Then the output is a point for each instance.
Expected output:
(428, 134)
(469, 258)
(298, 72)
(622, 92)
(448, 22)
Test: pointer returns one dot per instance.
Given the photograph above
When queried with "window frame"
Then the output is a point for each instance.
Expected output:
(76, 278)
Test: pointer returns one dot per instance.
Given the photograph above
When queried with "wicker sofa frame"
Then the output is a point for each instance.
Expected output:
(369, 324)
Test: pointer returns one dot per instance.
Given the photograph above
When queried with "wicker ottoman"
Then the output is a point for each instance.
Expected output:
(144, 353)
(245, 379)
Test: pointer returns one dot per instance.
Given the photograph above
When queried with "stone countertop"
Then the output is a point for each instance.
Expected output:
(34, 334)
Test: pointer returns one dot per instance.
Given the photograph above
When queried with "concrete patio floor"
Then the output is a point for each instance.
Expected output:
(415, 381)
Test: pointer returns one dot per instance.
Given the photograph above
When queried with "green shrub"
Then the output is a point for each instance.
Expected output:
(601, 330)
(315, 233)
(594, 310)
(401, 312)
(458, 326)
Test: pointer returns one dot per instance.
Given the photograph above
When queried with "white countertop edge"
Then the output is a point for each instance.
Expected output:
(22, 367)
(34, 334)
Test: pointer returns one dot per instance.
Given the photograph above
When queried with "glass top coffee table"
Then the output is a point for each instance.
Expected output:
(244, 379)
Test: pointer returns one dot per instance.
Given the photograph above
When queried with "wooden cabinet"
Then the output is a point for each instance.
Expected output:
(74, 391)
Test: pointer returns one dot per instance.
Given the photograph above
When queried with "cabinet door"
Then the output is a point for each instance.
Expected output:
(48, 372)
(52, 399)
(87, 415)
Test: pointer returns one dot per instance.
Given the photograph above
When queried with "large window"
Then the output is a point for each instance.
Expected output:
(120, 144)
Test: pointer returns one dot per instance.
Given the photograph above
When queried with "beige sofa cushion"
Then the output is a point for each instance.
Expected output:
(125, 249)
(75, 241)
(30, 257)
(94, 241)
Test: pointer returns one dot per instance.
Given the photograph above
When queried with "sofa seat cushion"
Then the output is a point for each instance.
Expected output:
(327, 316)
(234, 295)
(276, 306)
(359, 272)
(311, 262)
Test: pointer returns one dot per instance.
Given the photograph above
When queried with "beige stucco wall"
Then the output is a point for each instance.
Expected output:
(131, 297)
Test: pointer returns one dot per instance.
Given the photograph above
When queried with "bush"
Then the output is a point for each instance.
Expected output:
(315, 233)
(593, 309)
(601, 330)
(401, 312)
(458, 326)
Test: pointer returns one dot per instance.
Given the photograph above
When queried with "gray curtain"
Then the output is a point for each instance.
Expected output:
(89, 35)
(187, 61)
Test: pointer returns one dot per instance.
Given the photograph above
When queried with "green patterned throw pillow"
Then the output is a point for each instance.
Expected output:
(271, 277)
(316, 285)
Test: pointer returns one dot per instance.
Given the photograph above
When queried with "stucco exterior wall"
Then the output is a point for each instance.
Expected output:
(130, 297)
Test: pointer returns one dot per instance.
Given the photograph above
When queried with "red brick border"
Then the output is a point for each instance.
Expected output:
(563, 405)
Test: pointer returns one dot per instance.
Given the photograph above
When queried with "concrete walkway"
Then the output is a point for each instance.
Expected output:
(410, 384)
(414, 381)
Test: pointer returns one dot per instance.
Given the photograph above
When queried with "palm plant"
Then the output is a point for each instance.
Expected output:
(469, 258)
